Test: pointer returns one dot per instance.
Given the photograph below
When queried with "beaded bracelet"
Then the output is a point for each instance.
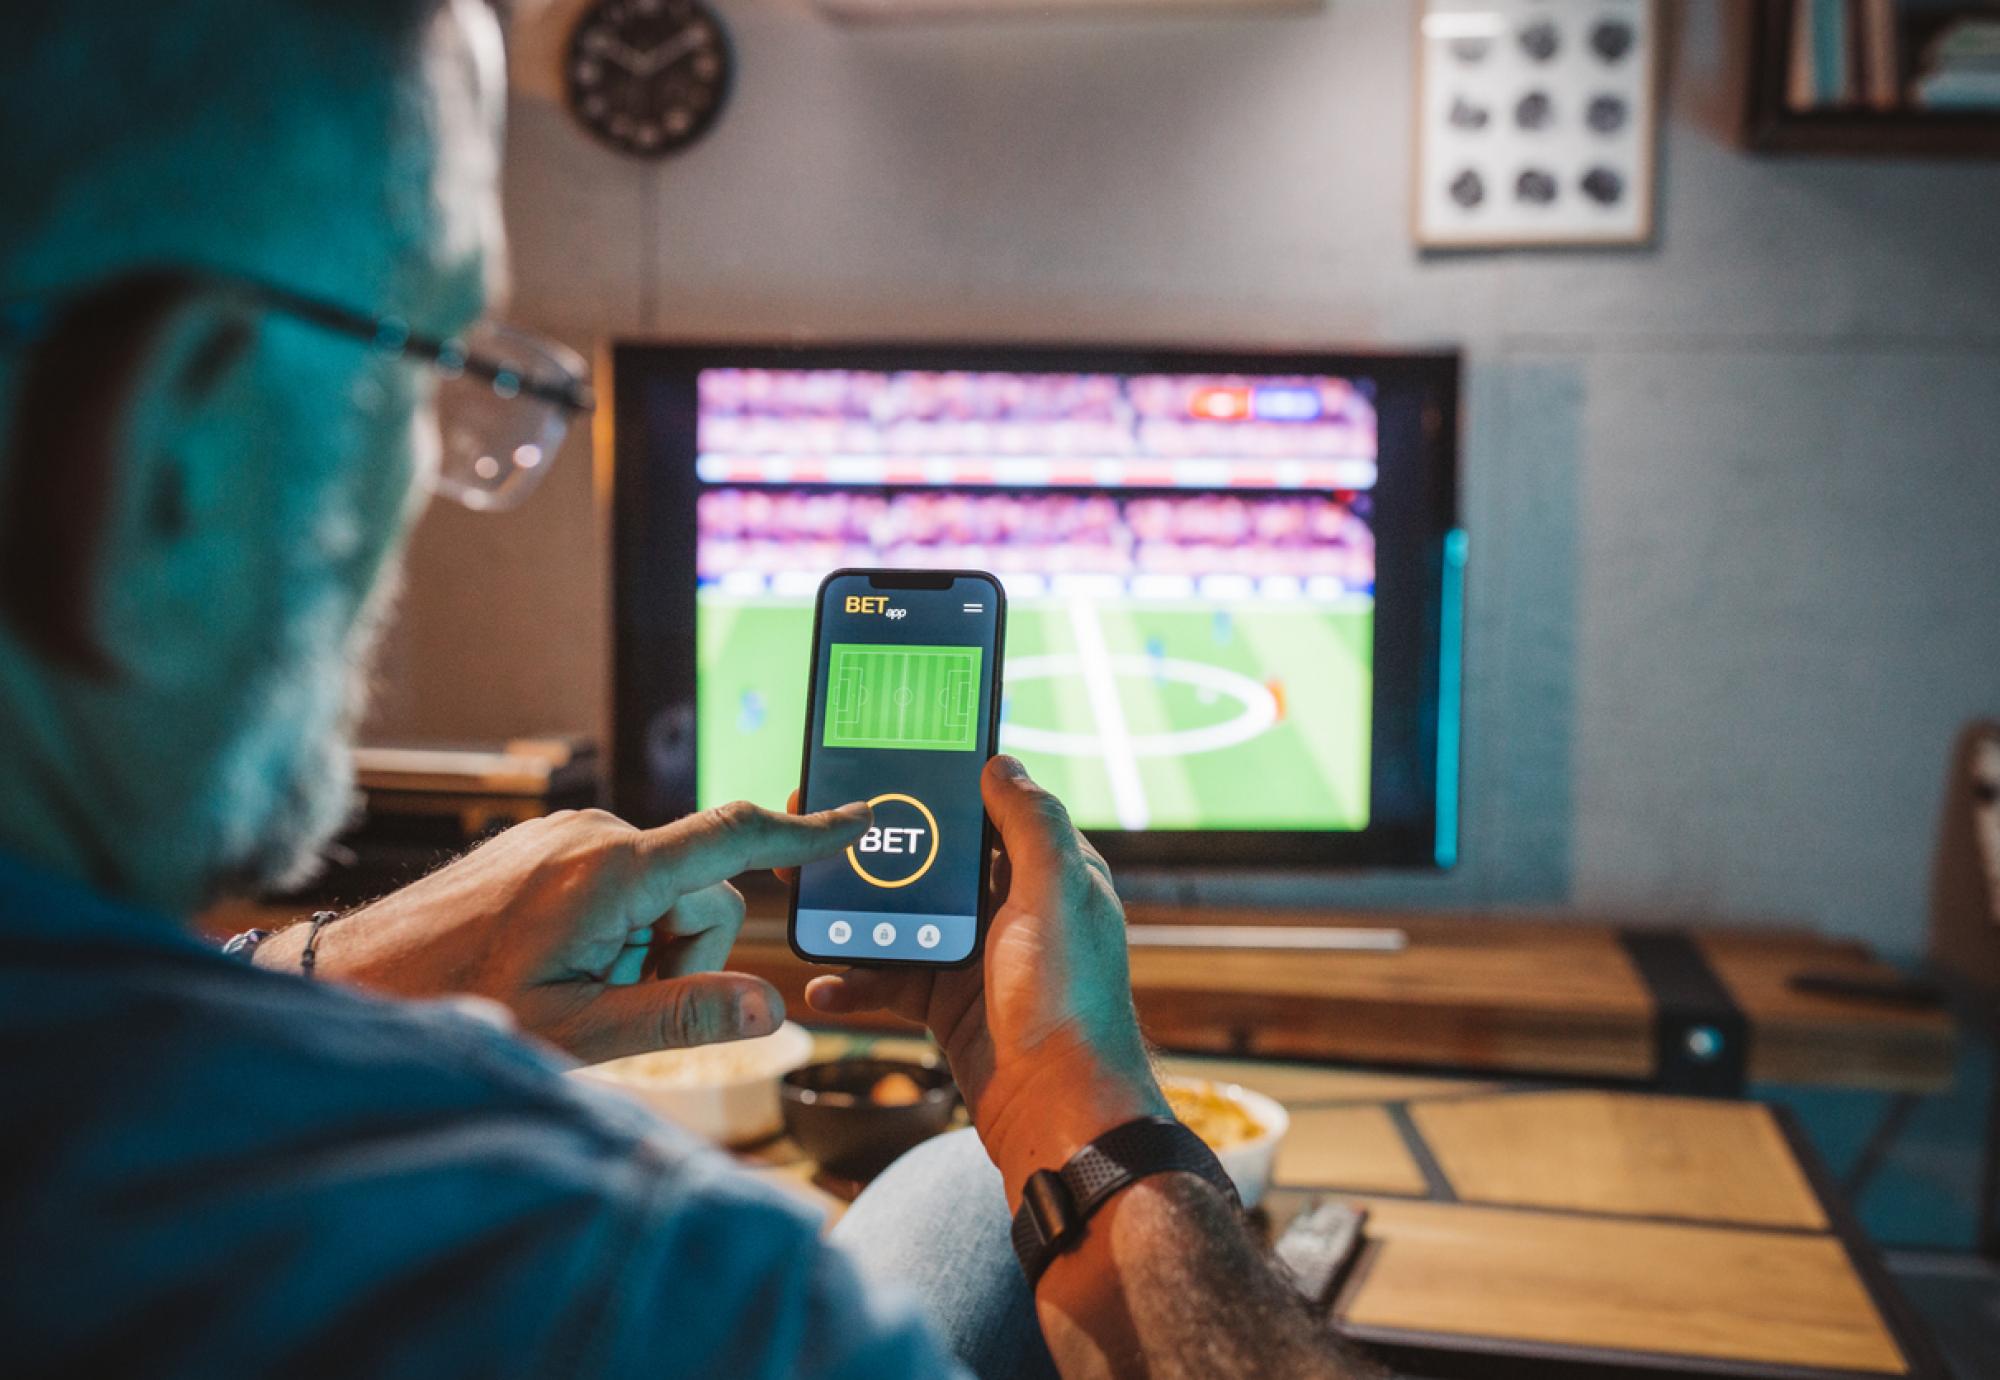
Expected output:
(309, 957)
(245, 945)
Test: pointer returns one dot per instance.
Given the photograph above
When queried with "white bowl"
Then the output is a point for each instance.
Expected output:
(727, 1092)
(1248, 1163)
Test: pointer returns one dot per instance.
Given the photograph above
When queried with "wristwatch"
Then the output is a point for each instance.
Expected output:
(1056, 1205)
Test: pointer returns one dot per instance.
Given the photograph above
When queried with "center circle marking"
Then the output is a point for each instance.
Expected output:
(1259, 707)
(929, 818)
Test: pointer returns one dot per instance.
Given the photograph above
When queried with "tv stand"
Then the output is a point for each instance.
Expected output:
(1492, 993)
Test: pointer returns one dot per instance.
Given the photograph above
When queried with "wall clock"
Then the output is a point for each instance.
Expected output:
(648, 77)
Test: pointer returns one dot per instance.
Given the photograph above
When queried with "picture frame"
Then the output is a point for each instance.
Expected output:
(1537, 123)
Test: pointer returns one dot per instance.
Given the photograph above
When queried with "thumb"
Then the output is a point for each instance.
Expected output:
(701, 1009)
(1035, 829)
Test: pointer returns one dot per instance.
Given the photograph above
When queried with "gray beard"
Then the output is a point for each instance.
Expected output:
(287, 788)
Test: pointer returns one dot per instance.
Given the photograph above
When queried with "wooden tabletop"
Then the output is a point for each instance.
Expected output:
(1581, 1228)
(1447, 1277)
(1482, 992)
(1563, 1228)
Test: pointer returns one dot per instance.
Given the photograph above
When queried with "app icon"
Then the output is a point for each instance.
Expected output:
(839, 932)
(885, 934)
(900, 846)
(929, 936)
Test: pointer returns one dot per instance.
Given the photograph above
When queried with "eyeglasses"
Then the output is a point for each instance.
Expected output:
(506, 398)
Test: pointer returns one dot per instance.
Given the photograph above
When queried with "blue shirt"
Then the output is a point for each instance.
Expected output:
(207, 1169)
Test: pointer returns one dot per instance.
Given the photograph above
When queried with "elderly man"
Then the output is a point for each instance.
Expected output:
(241, 239)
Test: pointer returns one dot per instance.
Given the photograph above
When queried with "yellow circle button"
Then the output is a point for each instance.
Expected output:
(882, 836)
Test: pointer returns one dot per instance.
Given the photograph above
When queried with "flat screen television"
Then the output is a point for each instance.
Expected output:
(1232, 578)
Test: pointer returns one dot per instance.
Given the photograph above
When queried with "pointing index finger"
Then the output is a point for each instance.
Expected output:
(717, 844)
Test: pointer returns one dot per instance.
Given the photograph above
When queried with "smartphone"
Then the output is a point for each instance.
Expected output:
(903, 713)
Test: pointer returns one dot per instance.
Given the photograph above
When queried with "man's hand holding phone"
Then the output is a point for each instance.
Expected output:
(1041, 1037)
(1166, 1281)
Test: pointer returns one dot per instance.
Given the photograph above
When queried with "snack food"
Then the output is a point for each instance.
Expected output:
(895, 1090)
(1212, 1113)
(1241, 1125)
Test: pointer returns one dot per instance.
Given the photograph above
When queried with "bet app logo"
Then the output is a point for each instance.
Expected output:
(900, 847)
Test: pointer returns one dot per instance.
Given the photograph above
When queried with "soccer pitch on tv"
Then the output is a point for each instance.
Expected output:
(1140, 715)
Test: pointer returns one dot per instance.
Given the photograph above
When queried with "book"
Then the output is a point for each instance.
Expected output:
(1799, 92)
(1832, 42)
(1962, 67)
(1882, 57)
(1960, 89)
(1964, 40)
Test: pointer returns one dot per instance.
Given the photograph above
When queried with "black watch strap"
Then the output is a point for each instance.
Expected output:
(1056, 1205)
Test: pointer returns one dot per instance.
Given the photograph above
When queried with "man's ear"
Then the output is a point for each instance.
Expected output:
(65, 472)
(179, 393)
(183, 467)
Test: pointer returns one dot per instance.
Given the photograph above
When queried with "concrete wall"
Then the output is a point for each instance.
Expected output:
(1732, 499)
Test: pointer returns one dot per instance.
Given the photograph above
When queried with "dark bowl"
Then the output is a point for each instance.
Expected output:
(828, 1113)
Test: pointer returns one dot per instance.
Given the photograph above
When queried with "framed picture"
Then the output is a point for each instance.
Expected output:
(1536, 122)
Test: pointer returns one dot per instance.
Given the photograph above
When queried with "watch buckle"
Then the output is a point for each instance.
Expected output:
(1052, 1208)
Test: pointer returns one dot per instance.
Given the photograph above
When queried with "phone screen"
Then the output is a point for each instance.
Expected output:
(905, 704)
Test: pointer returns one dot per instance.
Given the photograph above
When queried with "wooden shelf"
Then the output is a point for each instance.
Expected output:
(1771, 126)
(1877, 134)
(1485, 993)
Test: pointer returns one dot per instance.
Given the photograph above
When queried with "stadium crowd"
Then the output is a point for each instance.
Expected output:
(775, 531)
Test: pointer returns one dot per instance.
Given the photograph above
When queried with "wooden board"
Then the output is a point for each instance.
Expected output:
(1805, 1037)
(1352, 1148)
(1476, 1273)
(1486, 992)
(1549, 998)
(1521, 996)
(1610, 1153)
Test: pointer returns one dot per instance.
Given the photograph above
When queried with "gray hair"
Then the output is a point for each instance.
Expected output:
(210, 132)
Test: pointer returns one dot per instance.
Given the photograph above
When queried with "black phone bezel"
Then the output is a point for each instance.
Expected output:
(908, 579)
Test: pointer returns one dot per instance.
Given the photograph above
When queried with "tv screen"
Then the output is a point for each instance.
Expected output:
(1226, 576)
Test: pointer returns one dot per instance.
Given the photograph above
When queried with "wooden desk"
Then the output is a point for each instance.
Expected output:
(1545, 1232)
(1492, 994)
(1562, 1232)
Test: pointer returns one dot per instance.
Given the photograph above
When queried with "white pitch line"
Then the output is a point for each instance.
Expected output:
(1260, 707)
(1128, 792)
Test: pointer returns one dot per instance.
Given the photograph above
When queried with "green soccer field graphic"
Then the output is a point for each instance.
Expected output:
(910, 697)
(1139, 715)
